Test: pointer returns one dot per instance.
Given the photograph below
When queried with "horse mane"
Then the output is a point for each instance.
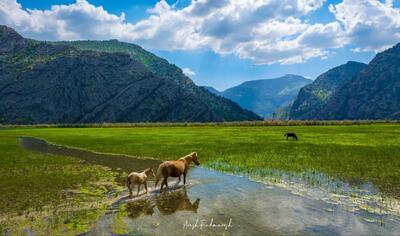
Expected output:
(146, 170)
(186, 157)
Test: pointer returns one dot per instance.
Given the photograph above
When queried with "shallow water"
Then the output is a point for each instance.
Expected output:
(118, 162)
(222, 204)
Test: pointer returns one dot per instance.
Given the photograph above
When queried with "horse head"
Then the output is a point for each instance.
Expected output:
(195, 158)
(150, 172)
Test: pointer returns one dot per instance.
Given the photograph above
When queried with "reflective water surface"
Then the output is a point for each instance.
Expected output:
(217, 203)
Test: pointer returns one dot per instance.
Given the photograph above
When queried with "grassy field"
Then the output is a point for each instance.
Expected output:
(359, 152)
(36, 186)
(352, 153)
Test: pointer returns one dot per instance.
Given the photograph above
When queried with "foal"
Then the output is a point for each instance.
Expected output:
(176, 169)
(139, 179)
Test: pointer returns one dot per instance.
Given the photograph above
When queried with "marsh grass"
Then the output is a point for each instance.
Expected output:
(352, 153)
(47, 194)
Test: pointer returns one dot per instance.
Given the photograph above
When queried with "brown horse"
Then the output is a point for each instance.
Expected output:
(139, 179)
(175, 169)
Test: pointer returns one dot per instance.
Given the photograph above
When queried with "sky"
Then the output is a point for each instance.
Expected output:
(222, 43)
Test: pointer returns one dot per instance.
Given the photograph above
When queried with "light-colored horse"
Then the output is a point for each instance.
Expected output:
(176, 169)
(139, 179)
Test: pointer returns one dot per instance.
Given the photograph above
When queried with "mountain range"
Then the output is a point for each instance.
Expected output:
(354, 91)
(265, 96)
(112, 81)
(99, 81)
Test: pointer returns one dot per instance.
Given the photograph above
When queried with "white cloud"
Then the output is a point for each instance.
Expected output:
(63, 22)
(323, 36)
(265, 31)
(188, 72)
(370, 25)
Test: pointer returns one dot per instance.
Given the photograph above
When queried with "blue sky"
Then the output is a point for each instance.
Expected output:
(222, 43)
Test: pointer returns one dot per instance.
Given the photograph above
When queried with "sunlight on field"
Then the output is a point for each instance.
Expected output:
(355, 155)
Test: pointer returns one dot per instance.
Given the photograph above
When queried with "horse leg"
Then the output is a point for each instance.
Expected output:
(130, 186)
(145, 186)
(184, 178)
(138, 189)
(162, 185)
(166, 182)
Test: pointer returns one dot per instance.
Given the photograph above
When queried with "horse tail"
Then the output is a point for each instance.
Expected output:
(158, 174)
(128, 182)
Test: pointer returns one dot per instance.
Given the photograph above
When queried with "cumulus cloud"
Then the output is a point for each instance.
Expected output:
(370, 25)
(63, 22)
(188, 72)
(265, 31)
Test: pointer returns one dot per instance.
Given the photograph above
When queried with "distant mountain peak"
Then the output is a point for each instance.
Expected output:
(280, 79)
(264, 96)
(292, 76)
(354, 62)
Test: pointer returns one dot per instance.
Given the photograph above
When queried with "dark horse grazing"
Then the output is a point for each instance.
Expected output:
(291, 134)
(175, 169)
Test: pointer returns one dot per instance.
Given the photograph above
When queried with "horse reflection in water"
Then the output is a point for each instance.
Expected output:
(167, 203)
(170, 202)
(139, 207)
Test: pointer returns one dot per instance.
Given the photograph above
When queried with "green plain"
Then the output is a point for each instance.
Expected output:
(353, 153)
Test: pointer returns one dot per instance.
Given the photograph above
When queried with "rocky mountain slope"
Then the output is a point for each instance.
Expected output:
(373, 94)
(43, 82)
(224, 109)
(313, 97)
(265, 96)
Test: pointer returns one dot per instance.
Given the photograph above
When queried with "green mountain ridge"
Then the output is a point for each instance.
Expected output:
(372, 94)
(354, 91)
(224, 108)
(48, 82)
(313, 97)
